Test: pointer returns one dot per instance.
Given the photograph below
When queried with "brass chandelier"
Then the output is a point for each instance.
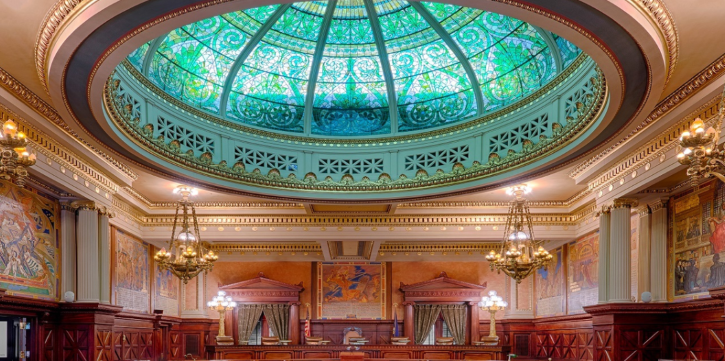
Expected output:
(186, 257)
(15, 157)
(520, 254)
(699, 149)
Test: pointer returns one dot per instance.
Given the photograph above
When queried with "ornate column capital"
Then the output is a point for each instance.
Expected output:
(643, 211)
(105, 211)
(409, 303)
(67, 206)
(659, 204)
(624, 203)
(606, 209)
(84, 205)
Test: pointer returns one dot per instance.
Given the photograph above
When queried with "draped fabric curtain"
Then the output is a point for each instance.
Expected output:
(455, 317)
(425, 317)
(247, 318)
(278, 317)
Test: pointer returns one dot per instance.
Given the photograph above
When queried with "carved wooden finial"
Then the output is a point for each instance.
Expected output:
(443, 274)
(402, 284)
(300, 284)
(261, 274)
(485, 285)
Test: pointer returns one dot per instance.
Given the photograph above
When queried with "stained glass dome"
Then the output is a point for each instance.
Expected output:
(344, 68)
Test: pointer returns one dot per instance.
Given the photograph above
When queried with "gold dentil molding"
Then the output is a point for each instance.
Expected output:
(268, 248)
(712, 72)
(44, 109)
(660, 17)
(68, 160)
(654, 150)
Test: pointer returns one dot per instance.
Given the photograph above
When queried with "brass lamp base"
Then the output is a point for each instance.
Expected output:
(225, 340)
(489, 340)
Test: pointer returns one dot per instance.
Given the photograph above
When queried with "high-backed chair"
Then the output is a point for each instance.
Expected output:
(270, 341)
(351, 332)
(444, 341)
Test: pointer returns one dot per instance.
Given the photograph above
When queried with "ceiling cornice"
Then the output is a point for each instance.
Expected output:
(712, 72)
(9, 83)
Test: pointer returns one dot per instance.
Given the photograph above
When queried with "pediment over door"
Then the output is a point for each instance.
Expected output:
(442, 289)
(262, 290)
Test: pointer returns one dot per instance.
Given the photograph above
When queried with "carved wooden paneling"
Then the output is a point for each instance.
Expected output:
(175, 346)
(688, 344)
(585, 346)
(48, 344)
(716, 344)
(641, 345)
(192, 344)
(277, 355)
(603, 344)
(75, 345)
(104, 345)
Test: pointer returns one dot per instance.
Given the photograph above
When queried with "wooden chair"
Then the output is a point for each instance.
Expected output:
(444, 341)
(351, 332)
(270, 341)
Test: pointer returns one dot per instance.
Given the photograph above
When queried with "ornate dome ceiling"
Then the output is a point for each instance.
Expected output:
(329, 69)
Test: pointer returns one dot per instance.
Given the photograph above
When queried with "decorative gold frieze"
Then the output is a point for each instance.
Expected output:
(49, 147)
(654, 149)
(663, 21)
(470, 248)
(552, 219)
(302, 248)
(687, 90)
(45, 110)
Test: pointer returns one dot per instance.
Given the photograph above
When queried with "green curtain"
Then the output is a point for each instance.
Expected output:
(247, 318)
(425, 317)
(278, 317)
(455, 317)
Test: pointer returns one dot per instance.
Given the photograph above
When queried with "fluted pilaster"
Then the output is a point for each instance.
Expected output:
(68, 250)
(604, 224)
(620, 252)
(88, 279)
(104, 247)
(658, 258)
(643, 261)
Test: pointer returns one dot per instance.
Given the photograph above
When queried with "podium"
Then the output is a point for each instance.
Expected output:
(352, 356)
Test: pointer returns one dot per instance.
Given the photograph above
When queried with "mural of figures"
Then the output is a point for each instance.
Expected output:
(351, 289)
(698, 249)
(167, 292)
(29, 247)
(583, 255)
(550, 287)
(132, 272)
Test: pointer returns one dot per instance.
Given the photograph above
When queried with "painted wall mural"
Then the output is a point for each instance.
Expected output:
(131, 272)
(29, 243)
(551, 287)
(166, 291)
(351, 290)
(583, 271)
(697, 242)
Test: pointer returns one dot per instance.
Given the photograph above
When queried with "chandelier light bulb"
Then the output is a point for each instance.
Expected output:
(221, 293)
(687, 151)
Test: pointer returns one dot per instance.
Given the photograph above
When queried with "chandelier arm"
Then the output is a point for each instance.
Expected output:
(717, 175)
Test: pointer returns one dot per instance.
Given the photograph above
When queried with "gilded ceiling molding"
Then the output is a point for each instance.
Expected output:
(44, 109)
(694, 85)
(58, 153)
(420, 248)
(268, 248)
(654, 149)
(51, 24)
(129, 211)
(463, 204)
(539, 219)
(662, 19)
(45, 188)
(496, 164)
(200, 205)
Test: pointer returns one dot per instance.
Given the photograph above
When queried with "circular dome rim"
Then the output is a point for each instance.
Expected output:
(461, 17)
(70, 80)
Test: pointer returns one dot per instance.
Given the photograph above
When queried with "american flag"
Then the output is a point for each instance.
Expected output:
(308, 330)
(396, 331)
